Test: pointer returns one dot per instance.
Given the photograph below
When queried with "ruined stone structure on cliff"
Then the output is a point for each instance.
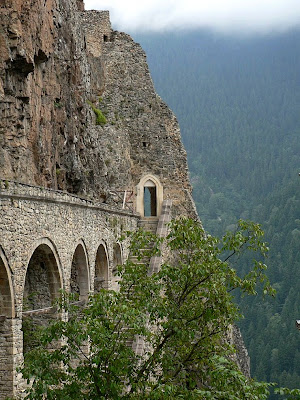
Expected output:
(68, 186)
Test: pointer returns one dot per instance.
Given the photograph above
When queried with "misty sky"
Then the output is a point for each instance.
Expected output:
(241, 16)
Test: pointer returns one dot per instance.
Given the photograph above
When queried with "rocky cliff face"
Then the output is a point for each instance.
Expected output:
(60, 66)
(41, 77)
(56, 63)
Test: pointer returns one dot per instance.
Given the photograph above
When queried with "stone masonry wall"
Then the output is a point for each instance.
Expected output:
(97, 30)
(31, 217)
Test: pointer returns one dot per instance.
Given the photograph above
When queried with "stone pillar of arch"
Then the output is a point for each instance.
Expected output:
(149, 197)
(117, 260)
(80, 277)
(101, 269)
(7, 313)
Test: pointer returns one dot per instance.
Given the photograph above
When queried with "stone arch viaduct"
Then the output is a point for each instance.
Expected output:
(50, 240)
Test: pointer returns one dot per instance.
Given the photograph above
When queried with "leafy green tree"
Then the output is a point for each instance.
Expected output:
(180, 314)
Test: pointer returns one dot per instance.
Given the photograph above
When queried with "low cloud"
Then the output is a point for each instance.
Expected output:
(240, 16)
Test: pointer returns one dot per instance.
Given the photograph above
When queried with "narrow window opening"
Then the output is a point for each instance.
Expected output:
(105, 38)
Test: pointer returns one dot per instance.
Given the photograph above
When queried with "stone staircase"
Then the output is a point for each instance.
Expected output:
(148, 224)
(160, 228)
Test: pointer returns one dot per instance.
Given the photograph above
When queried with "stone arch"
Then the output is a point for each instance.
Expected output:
(117, 256)
(80, 277)
(43, 282)
(43, 279)
(7, 312)
(101, 268)
(149, 196)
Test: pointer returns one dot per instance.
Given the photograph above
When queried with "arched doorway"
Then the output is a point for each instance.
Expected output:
(80, 280)
(42, 285)
(6, 334)
(149, 197)
(101, 269)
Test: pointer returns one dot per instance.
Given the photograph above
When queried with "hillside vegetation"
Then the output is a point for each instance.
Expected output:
(237, 102)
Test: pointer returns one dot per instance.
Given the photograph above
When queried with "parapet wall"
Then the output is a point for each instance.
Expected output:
(23, 191)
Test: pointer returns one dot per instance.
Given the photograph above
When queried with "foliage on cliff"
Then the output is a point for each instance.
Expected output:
(100, 118)
(182, 313)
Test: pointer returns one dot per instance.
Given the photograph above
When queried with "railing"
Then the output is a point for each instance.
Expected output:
(50, 310)
(126, 197)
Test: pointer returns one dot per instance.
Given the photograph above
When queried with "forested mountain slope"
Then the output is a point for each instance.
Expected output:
(237, 102)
